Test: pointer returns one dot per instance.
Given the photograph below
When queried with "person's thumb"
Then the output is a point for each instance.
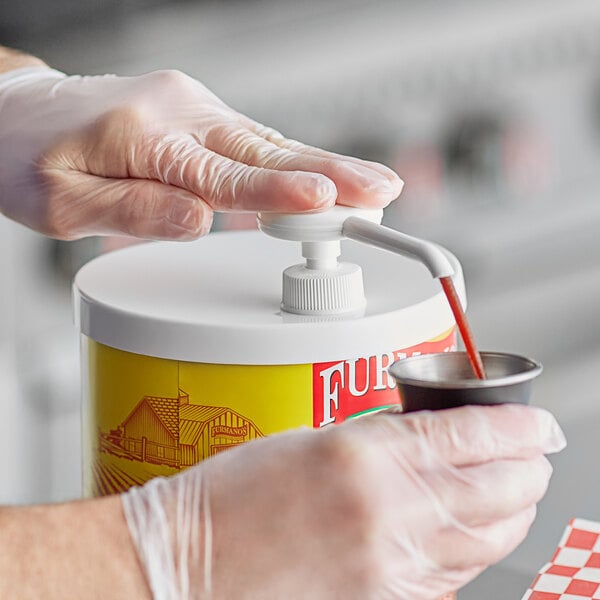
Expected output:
(478, 434)
(470, 434)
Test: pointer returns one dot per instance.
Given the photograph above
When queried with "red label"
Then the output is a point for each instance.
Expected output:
(346, 388)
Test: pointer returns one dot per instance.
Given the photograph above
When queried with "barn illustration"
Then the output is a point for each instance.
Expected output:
(176, 433)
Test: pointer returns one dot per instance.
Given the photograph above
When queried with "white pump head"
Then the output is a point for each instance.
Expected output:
(323, 226)
(323, 286)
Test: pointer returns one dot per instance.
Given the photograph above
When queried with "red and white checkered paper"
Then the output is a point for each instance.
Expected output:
(574, 571)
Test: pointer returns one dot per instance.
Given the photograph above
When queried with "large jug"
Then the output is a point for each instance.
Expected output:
(187, 350)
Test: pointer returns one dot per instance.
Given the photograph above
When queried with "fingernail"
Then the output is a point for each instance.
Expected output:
(184, 212)
(370, 180)
(325, 192)
(556, 440)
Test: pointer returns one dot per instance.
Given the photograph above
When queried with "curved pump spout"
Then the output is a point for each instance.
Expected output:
(324, 286)
(430, 254)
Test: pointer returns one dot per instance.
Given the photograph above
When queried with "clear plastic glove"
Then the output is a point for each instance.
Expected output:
(153, 156)
(387, 506)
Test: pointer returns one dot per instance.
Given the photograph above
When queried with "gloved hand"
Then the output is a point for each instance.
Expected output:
(386, 506)
(153, 156)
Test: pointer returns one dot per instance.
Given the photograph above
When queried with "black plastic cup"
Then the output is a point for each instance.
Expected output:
(446, 380)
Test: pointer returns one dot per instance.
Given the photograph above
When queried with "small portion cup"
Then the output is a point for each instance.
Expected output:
(446, 380)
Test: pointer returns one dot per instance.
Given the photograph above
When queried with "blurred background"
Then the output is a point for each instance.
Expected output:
(488, 109)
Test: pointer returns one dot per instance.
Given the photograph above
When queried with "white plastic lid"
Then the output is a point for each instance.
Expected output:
(217, 300)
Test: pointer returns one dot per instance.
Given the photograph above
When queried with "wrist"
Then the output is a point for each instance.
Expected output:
(69, 551)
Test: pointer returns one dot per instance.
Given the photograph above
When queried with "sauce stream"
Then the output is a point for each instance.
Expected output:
(463, 327)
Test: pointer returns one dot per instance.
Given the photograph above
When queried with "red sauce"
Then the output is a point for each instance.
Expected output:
(463, 326)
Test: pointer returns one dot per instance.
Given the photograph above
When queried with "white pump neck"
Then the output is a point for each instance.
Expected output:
(321, 255)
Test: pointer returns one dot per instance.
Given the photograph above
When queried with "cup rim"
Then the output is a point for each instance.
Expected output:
(533, 370)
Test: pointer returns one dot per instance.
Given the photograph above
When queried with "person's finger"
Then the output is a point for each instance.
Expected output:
(478, 495)
(485, 545)
(119, 146)
(80, 204)
(478, 434)
(279, 140)
(226, 184)
(357, 184)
